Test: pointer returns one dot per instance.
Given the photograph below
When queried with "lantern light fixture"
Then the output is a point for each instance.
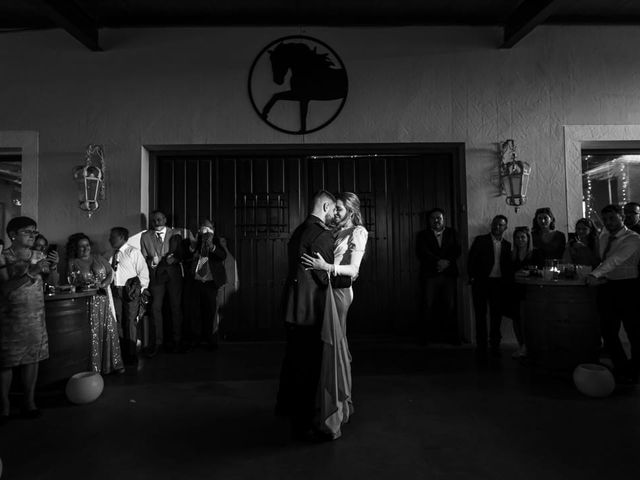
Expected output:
(90, 179)
(514, 175)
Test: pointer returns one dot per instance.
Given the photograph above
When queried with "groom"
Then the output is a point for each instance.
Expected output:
(304, 300)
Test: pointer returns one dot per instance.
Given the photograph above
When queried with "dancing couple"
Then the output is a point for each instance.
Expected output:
(324, 255)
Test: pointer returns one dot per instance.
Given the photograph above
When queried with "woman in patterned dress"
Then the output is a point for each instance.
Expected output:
(334, 390)
(87, 269)
(23, 333)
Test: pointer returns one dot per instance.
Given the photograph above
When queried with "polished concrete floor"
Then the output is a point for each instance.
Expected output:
(421, 413)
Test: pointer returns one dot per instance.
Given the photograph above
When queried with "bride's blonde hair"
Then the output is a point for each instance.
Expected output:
(352, 204)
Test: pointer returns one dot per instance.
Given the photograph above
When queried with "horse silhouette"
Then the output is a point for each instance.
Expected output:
(313, 77)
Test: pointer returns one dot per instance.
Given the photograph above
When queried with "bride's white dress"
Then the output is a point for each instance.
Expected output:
(334, 392)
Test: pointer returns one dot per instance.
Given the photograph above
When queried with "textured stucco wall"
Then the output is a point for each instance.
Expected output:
(188, 86)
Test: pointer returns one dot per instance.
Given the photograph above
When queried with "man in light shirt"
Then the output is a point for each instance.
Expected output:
(617, 281)
(130, 279)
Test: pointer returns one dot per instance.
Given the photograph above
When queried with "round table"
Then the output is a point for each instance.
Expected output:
(67, 319)
(561, 323)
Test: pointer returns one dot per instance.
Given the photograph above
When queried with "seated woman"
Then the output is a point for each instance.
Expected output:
(85, 269)
(23, 333)
(583, 248)
(41, 244)
(545, 237)
(523, 254)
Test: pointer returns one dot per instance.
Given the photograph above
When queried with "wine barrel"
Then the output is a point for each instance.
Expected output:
(67, 319)
(561, 324)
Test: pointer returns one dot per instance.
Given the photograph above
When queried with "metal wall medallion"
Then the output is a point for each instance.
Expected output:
(298, 84)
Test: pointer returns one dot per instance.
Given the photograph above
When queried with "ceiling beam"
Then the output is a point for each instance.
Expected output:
(525, 18)
(67, 15)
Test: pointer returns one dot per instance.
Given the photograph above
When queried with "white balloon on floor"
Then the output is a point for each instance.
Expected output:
(84, 387)
(594, 380)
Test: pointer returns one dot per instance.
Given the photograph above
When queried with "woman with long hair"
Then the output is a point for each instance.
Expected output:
(546, 238)
(522, 256)
(583, 247)
(334, 392)
(85, 269)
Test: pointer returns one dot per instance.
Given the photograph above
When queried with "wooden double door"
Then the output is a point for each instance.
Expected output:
(257, 197)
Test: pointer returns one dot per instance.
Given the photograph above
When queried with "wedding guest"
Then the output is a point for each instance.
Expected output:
(23, 334)
(206, 274)
(616, 277)
(438, 249)
(91, 270)
(130, 280)
(522, 257)
(582, 249)
(41, 244)
(545, 237)
(160, 247)
(489, 267)
(632, 216)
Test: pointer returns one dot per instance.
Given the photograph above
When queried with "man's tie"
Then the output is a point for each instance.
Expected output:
(159, 235)
(608, 247)
(114, 260)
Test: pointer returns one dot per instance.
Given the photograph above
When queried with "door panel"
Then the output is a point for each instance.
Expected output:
(257, 201)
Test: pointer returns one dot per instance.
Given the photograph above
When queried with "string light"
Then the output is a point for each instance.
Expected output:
(589, 199)
(625, 182)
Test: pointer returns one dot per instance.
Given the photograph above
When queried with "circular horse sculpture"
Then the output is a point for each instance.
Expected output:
(313, 76)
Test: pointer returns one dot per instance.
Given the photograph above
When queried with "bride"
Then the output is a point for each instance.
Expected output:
(334, 392)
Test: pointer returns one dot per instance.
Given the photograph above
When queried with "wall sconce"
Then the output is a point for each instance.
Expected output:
(514, 175)
(90, 178)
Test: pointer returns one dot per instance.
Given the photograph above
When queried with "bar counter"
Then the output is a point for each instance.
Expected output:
(67, 319)
(561, 323)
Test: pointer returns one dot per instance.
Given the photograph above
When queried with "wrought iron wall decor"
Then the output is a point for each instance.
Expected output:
(514, 175)
(298, 84)
(90, 179)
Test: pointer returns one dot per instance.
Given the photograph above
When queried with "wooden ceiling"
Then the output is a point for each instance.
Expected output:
(84, 18)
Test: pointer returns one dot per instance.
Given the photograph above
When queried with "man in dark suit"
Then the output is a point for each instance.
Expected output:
(438, 249)
(489, 274)
(304, 302)
(159, 246)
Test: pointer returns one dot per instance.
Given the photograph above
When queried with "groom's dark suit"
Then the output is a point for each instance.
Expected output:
(304, 301)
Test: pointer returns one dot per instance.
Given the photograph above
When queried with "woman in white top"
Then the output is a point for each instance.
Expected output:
(334, 392)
